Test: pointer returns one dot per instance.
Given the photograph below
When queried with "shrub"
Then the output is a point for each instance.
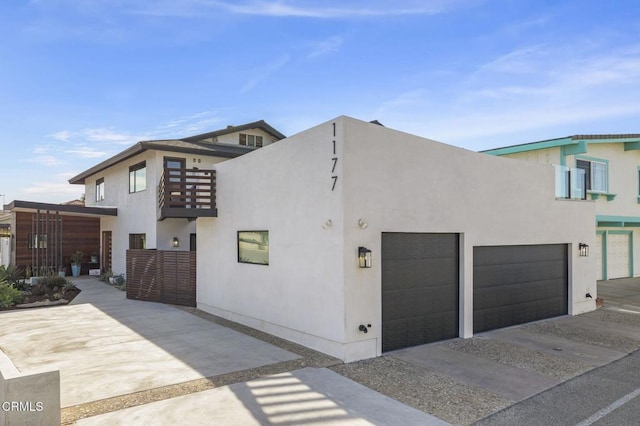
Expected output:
(69, 286)
(53, 281)
(9, 295)
(11, 274)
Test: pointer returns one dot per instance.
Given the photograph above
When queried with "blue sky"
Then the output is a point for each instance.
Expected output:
(81, 80)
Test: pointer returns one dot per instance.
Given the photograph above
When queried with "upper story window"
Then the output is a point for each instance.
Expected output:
(100, 189)
(138, 177)
(596, 173)
(250, 140)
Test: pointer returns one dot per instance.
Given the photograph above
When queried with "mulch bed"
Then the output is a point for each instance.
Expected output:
(44, 297)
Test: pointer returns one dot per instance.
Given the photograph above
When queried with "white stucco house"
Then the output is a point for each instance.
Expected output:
(161, 186)
(355, 239)
(606, 170)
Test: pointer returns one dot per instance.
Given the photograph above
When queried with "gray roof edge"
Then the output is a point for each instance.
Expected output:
(66, 208)
(260, 124)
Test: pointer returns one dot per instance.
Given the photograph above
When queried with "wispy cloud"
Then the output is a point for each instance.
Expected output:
(86, 152)
(296, 8)
(324, 47)
(188, 125)
(61, 136)
(521, 93)
(58, 189)
(45, 160)
(321, 10)
(264, 72)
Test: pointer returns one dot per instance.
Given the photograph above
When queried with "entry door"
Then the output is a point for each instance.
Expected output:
(618, 253)
(105, 261)
(419, 289)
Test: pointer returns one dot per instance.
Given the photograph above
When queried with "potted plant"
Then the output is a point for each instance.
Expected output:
(94, 257)
(76, 261)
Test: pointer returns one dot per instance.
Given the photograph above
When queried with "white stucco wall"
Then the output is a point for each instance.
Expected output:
(403, 183)
(313, 292)
(283, 188)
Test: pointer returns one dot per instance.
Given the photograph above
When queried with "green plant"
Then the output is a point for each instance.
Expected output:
(105, 276)
(69, 286)
(53, 281)
(77, 257)
(28, 272)
(10, 274)
(39, 290)
(9, 295)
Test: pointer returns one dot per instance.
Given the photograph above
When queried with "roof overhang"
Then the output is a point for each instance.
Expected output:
(617, 221)
(570, 145)
(184, 147)
(64, 209)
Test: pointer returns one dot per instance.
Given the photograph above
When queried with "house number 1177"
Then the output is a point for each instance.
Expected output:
(334, 161)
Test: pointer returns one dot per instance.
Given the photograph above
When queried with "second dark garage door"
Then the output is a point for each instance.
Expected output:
(419, 289)
(518, 284)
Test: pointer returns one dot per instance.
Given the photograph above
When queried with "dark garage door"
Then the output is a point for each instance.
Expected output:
(518, 284)
(419, 289)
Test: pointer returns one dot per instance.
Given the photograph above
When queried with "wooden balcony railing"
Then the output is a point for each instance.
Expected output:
(187, 193)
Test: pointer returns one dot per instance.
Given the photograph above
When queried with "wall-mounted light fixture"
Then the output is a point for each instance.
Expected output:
(583, 249)
(175, 242)
(364, 257)
(327, 224)
(362, 224)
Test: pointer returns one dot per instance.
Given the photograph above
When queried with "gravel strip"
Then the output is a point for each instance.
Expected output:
(609, 315)
(591, 337)
(520, 357)
(424, 389)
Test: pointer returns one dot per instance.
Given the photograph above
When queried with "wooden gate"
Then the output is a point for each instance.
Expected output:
(162, 276)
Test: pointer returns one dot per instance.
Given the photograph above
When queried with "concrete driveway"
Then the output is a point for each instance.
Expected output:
(106, 345)
(129, 359)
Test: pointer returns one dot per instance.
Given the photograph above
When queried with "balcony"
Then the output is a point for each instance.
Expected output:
(571, 183)
(187, 193)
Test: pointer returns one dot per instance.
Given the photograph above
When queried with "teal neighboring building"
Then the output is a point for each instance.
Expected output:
(605, 170)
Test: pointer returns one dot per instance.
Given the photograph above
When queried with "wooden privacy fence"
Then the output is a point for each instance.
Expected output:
(162, 276)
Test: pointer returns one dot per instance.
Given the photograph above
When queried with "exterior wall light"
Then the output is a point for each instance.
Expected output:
(362, 224)
(327, 224)
(583, 249)
(364, 257)
(175, 242)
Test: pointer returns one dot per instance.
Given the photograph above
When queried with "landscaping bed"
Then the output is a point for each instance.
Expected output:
(18, 293)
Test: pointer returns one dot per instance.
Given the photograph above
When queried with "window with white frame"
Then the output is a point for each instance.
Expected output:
(100, 189)
(596, 173)
(250, 140)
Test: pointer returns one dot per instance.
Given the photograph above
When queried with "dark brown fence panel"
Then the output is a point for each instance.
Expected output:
(162, 276)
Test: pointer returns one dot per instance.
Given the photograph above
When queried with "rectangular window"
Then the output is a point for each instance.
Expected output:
(253, 247)
(596, 174)
(137, 241)
(37, 241)
(138, 177)
(250, 140)
(192, 242)
(100, 189)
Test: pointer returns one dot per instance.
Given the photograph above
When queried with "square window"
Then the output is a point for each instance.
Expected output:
(253, 247)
